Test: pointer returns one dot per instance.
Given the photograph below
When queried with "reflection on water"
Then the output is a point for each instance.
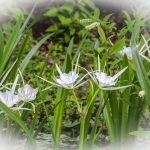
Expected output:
(44, 142)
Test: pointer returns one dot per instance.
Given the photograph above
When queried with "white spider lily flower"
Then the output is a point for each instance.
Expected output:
(127, 51)
(9, 98)
(27, 93)
(104, 81)
(67, 80)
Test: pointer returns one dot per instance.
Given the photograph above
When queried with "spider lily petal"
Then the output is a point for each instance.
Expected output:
(49, 81)
(14, 84)
(27, 93)
(78, 85)
(127, 51)
(117, 88)
(80, 80)
(20, 108)
(9, 98)
(145, 53)
(58, 69)
(4, 86)
(119, 73)
(75, 70)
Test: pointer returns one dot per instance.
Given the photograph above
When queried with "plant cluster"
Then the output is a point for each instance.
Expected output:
(101, 78)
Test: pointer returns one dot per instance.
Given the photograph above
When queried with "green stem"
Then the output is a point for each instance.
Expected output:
(85, 120)
(81, 139)
(76, 101)
(89, 109)
(82, 124)
(94, 132)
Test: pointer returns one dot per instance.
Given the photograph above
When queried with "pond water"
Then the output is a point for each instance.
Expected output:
(44, 142)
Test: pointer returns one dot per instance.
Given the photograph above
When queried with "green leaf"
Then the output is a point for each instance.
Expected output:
(89, 107)
(70, 124)
(90, 4)
(10, 44)
(102, 35)
(107, 17)
(140, 133)
(14, 39)
(5, 74)
(61, 95)
(52, 28)
(96, 13)
(16, 118)
(76, 16)
(52, 12)
(117, 46)
(72, 31)
(32, 52)
(141, 72)
(100, 49)
(64, 20)
(68, 7)
(95, 126)
(24, 25)
(96, 45)
(127, 16)
(79, 49)
(66, 37)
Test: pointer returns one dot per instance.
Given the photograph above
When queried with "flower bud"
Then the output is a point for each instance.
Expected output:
(141, 94)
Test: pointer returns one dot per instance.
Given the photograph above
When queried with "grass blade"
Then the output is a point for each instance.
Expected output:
(31, 53)
(16, 118)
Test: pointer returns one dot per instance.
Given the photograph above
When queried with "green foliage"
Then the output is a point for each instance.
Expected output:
(8, 70)
(117, 46)
(58, 108)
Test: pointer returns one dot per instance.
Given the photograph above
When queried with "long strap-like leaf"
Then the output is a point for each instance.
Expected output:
(31, 53)
(16, 118)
